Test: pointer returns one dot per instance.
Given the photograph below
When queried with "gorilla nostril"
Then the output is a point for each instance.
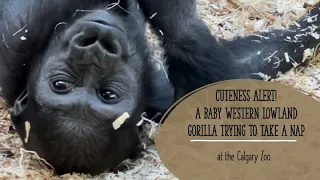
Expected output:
(86, 41)
(111, 47)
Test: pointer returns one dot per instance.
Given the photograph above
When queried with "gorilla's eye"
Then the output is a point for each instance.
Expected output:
(107, 95)
(61, 87)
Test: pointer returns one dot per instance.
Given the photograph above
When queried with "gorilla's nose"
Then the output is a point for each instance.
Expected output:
(98, 43)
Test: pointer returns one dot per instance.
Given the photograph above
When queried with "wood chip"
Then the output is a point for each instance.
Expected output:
(120, 120)
(307, 53)
(140, 122)
(286, 56)
(27, 127)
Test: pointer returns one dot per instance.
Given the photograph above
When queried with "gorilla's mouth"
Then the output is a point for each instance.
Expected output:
(103, 22)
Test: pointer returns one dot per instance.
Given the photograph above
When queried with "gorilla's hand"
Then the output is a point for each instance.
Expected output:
(171, 17)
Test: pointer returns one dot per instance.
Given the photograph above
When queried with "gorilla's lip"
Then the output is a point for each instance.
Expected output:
(103, 22)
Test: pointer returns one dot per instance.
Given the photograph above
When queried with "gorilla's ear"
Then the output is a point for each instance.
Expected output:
(163, 95)
(21, 103)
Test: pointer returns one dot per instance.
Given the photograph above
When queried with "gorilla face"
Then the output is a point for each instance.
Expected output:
(90, 73)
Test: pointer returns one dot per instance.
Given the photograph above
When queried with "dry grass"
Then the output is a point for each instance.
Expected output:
(226, 19)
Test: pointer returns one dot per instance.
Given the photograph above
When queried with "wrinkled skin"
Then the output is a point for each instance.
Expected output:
(77, 71)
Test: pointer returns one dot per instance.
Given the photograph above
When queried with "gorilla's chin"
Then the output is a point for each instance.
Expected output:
(73, 145)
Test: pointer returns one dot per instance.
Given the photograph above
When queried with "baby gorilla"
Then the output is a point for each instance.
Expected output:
(71, 67)
(87, 77)
(80, 76)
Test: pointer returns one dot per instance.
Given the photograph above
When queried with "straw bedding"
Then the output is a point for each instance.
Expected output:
(226, 19)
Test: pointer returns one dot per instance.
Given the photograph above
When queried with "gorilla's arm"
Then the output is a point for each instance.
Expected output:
(196, 58)
(278, 50)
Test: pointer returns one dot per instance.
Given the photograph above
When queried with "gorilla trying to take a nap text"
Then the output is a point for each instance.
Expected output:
(71, 67)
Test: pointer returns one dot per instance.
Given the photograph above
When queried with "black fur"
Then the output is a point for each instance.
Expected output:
(91, 47)
(196, 58)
